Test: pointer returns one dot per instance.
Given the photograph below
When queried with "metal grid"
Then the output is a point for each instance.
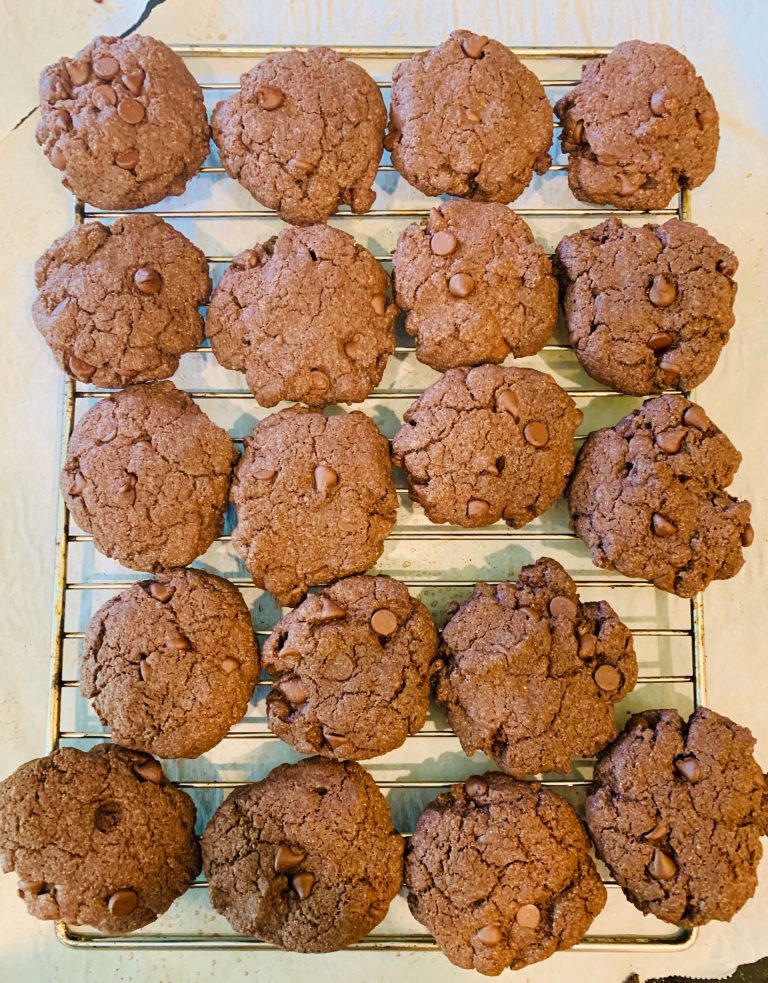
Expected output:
(71, 586)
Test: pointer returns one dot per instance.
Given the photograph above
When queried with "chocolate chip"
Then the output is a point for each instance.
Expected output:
(287, 858)
(107, 817)
(563, 607)
(355, 348)
(507, 402)
(264, 474)
(608, 678)
(125, 494)
(666, 581)
(661, 103)
(80, 369)
(149, 771)
(79, 72)
(108, 437)
(489, 935)
(62, 119)
(340, 667)
(335, 741)
(695, 416)
(78, 485)
(106, 67)
(34, 888)
(294, 689)
(659, 832)
(325, 478)
(670, 441)
(147, 280)
(706, 118)
(587, 647)
(576, 134)
(528, 916)
(383, 622)
(662, 867)
(379, 304)
(269, 98)
(302, 884)
(130, 111)
(461, 285)
(748, 535)
(103, 96)
(161, 592)
(127, 159)
(536, 434)
(659, 341)
(478, 509)
(443, 243)
(390, 139)
(689, 767)
(475, 786)
(134, 80)
(663, 291)
(178, 641)
(473, 45)
(228, 666)
(58, 159)
(472, 116)
(331, 610)
(662, 526)
(318, 381)
(299, 168)
(145, 670)
(629, 183)
(670, 373)
(579, 417)
(123, 903)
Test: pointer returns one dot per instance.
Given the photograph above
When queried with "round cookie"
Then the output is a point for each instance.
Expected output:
(530, 675)
(499, 872)
(147, 473)
(306, 317)
(469, 119)
(648, 498)
(315, 500)
(677, 811)
(475, 285)
(351, 669)
(97, 838)
(638, 127)
(647, 308)
(124, 121)
(171, 664)
(119, 303)
(307, 859)
(304, 134)
(488, 443)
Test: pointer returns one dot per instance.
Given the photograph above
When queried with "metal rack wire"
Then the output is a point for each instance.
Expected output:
(78, 579)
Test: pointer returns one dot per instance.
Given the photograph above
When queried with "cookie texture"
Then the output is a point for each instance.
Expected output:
(677, 811)
(304, 134)
(351, 669)
(469, 119)
(647, 308)
(499, 872)
(147, 473)
(97, 837)
(475, 286)
(171, 663)
(488, 443)
(119, 303)
(638, 127)
(124, 121)
(648, 498)
(530, 675)
(307, 859)
(306, 317)
(315, 500)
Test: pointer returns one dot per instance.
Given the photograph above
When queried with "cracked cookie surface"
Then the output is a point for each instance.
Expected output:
(304, 134)
(351, 669)
(469, 119)
(475, 285)
(530, 675)
(499, 871)
(171, 663)
(647, 308)
(124, 120)
(638, 127)
(315, 500)
(147, 473)
(306, 317)
(677, 811)
(648, 498)
(97, 838)
(307, 859)
(488, 443)
(119, 304)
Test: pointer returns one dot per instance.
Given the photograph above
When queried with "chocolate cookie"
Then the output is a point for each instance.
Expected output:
(677, 811)
(638, 127)
(171, 663)
(499, 871)
(648, 498)
(119, 303)
(530, 675)
(306, 317)
(315, 500)
(304, 134)
(147, 473)
(124, 120)
(307, 859)
(475, 286)
(647, 308)
(469, 119)
(488, 443)
(351, 669)
(97, 838)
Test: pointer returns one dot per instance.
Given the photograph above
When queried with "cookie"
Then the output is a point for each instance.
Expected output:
(639, 127)
(171, 664)
(124, 121)
(147, 473)
(306, 317)
(304, 134)
(648, 498)
(499, 872)
(475, 285)
(488, 443)
(677, 811)
(119, 303)
(351, 669)
(97, 838)
(307, 859)
(315, 500)
(647, 308)
(469, 119)
(530, 675)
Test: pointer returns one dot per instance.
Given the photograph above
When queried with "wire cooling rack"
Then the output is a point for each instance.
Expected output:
(439, 564)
